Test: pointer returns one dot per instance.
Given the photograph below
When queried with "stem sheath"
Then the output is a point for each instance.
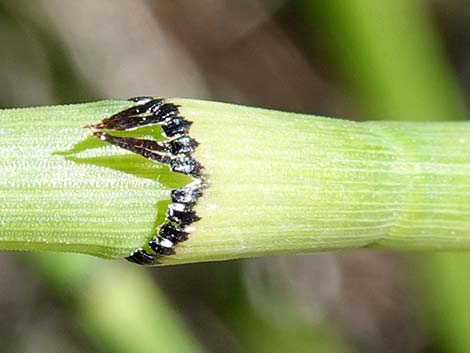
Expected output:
(63, 190)
(277, 183)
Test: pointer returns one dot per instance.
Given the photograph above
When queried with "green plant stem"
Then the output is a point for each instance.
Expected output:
(278, 183)
(285, 183)
(390, 52)
(63, 190)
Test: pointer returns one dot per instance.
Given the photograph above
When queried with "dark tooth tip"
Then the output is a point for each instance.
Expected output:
(172, 233)
(166, 111)
(176, 126)
(186, 165)
(187, 195)
(132, 117)
(162, 246)
(183, 145)
(153, 107)
(142, 257)
(181, 214)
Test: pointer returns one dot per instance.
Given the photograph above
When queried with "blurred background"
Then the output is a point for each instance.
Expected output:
(360, 59)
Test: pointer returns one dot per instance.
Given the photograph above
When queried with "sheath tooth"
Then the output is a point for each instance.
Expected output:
(176, 152)
(186, 165)
(142, 257)
(182, 145)
(173, 233)
(181, 214)
(176, 126)
(162, 246)
(188, 194)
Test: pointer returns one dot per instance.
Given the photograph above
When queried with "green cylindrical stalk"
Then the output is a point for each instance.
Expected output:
(286, 183)
(277, 182)
(64, 190)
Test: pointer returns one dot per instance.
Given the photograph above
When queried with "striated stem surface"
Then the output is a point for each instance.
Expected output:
(285, 183)
(272, 182)
(64, 190)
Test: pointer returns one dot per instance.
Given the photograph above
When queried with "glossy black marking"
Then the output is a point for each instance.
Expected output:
(182, 145)
(137, 116)
(181, 214)
(175, 152)
(172, 233)
(153, 150)
(167, 111)
(130, 143)
(186, 165)
(176, 126)
(162, 246)
(142, 257)
(147, 148)
(188, 194)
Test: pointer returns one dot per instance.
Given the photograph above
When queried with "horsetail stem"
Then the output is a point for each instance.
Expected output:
(177, 180)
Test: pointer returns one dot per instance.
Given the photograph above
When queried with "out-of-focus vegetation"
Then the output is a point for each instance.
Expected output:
(362, 58)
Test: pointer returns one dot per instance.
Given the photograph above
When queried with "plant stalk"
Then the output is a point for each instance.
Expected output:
(277, 183)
